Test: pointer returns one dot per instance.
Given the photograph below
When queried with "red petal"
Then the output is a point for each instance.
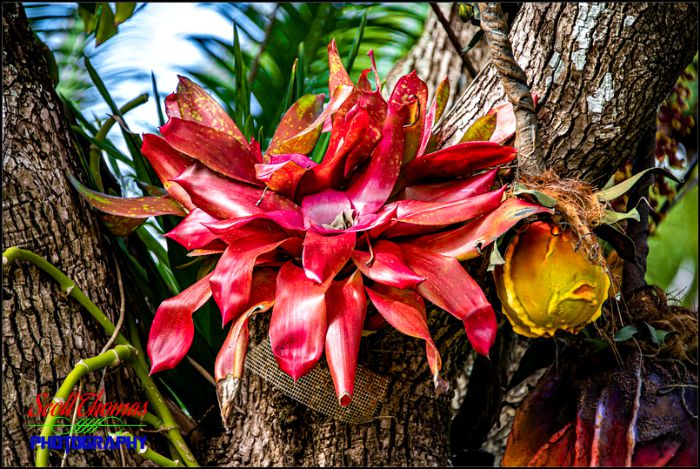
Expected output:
(405, 311)
(296, 119)
(325, 256)
(376, 108)
(172, 108)
(372, 188)
(130, 207)
(345, 320)
(458, 160)
(338, 99)
(338, 75)
(224, 198)
(172, 329)
(448, 286)
(287, 219)
(411, 88)
(462, 242)
(232, 278)
(191, 233)
(167, 163)
(388, 265)
(505, 121)
(451, 190)
(197, 105)
(446, 213)
(298, 324)
(284, 172)
(231, 357)
(217, 150)
(348, 131)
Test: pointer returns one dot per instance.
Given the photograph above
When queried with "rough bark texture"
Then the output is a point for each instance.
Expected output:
(44, 333)
(271, 429)
(434, 57)
(599, 70)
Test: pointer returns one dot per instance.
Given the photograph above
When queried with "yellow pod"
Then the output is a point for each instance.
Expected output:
(546, 286)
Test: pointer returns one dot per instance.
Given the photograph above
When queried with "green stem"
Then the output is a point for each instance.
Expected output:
(139, 365)
(110, 357)
(151, 455)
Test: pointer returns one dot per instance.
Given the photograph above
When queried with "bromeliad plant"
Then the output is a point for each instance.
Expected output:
(378, 218)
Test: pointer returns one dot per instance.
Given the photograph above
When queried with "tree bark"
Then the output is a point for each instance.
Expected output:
(44, 333)
(600, 70)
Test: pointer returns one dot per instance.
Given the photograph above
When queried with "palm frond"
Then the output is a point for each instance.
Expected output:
(272, 36)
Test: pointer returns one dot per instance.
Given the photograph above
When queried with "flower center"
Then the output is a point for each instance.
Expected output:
(342, 221)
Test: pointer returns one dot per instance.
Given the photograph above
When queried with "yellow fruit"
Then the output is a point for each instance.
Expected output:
(546, 286)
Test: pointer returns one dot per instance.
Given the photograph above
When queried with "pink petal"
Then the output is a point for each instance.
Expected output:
(388, 266)
(215, 149)
(464, 243)
(324, 256)
(345, 320)
(231, 357)
(191, 232)
(225, 198)
(172, 329)
(372, 188)
(405, 311)
(448, 286)
(232, 278)
(451, 190)
(324, 207)
(458, 160)
(298, 325)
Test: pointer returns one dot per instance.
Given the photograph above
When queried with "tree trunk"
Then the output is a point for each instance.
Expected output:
(44, 333)
(600, 71)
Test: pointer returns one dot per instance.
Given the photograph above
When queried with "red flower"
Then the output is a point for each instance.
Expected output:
(377, 217)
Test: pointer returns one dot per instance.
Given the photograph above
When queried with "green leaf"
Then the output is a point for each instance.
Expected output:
(622, 243)
(321, 147)
(474, 41)
(481, 130)
(625, 333)
(542, 198)
(495, 258)
(596, 344)
(159, 105)
(610, 216)
(123, 12)
(87, 14)
(300, 72)
(349, 62)
(241, 75)
(658, 336)
(616, 191)
(105, 25)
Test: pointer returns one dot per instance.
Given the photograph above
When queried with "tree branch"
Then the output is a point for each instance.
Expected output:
(514, 80)
(454, 40)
